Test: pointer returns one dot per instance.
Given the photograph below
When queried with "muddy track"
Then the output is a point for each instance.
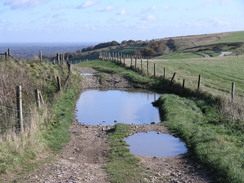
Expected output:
(82, 160)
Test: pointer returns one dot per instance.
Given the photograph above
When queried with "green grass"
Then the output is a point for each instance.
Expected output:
(216, 144)
(122, 166)
(232, 37)
(111, 67)
(178, 55)
(62, 110)
(50, 124)
(217, 73)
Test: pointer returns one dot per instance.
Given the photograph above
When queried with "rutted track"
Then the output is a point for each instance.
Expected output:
(82, 160)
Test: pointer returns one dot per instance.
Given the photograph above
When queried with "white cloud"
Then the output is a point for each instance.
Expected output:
(59, 7)
(86, 4)
(3, 20)
(106, 9)
(151, 8)
(148, 17)
(22, 4)
(122, 12)
(216, 21)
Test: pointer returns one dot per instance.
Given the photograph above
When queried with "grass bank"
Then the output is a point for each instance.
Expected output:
(123, 166)
(212, 141)
(47, 131)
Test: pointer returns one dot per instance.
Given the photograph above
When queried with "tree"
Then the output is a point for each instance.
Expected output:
(171, 44)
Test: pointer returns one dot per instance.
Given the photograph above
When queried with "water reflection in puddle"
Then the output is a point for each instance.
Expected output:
(86, 74)
(96, 107)
(153, 144)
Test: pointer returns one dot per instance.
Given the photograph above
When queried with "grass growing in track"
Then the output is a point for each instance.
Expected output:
(215, 145)
(122, 165)
(110, 67)
(58, 134)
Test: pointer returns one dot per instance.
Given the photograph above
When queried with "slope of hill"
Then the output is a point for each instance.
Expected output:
(191, 46)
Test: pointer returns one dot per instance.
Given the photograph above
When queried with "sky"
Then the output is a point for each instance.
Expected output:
(79, 21)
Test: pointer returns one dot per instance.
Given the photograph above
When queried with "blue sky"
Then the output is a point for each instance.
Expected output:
(106, 20)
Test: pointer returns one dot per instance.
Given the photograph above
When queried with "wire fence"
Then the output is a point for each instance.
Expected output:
(219, 86)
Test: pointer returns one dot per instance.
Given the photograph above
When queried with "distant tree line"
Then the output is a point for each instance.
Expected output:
(157, 48)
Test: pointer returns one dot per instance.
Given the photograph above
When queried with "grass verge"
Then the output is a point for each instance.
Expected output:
(213, 143)
(48, 130)
(122, 165)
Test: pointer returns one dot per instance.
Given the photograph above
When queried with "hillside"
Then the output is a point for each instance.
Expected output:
(192, 46)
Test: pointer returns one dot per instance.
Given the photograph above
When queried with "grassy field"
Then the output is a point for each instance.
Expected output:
(179, 55)
(217, 73)
(232, 37)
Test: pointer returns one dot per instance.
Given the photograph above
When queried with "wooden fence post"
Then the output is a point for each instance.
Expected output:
(40, 55)
(37, 96)
(8, 52)
(147, 68)
(164, 72)
(183, 84)
(131, 61)
(172, 79)
(232, 91)
(57, 58)
(154, 69)
(59, 84)
(199, 82)
(135, 62)
(20, 124)
(6, 56)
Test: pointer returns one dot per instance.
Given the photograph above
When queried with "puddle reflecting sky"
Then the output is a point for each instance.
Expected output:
(86, 74)
(105, 107)
(153, 144)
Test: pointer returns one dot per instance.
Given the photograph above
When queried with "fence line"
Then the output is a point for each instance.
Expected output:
(197, 79)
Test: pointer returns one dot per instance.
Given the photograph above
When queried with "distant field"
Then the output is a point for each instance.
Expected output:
(180, 55)
(232, 37)
(217, 73)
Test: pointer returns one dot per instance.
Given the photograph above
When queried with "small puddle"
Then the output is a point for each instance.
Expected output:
(97, 107)
(153, 144)
(86, 74)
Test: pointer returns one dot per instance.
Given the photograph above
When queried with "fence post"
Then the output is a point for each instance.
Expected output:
(135, 62)
(6, 56)
(20, 124)
(164, 72)
(40, 55)
(57, 57)
(154, 69)
(232, 91)
(8, 52)
(183, 84)
(147, 68)
(59, 83)
(37, 96)
(172, 79)
(199, 82)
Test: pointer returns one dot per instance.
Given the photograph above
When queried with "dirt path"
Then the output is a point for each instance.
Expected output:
(82, 160)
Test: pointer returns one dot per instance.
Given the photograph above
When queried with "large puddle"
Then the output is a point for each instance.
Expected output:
(108, 107)
(153, 144)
